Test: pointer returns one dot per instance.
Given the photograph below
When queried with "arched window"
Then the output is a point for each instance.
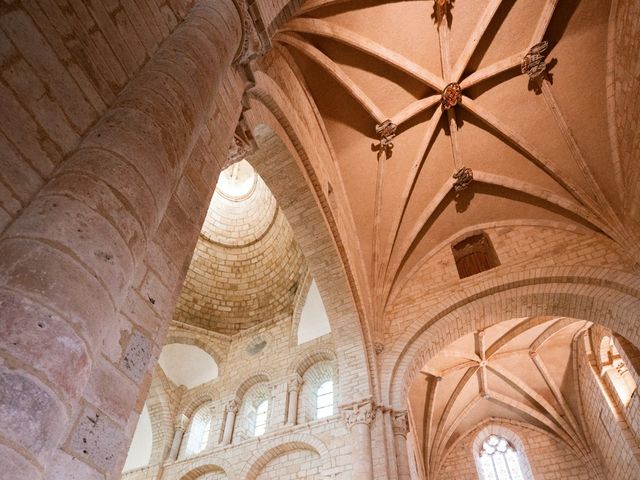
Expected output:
(260, 424)
(614, 368)
(199, 432)
(499, 460)
(324, 400)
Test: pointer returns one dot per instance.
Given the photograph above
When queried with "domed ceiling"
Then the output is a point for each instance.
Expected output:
(458, 113)
(247, 266)
(520, 370)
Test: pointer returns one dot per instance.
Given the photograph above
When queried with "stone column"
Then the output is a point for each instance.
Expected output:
(181, 426)
(231, 409)
(293, 388)
(358, 418)
(69, 259)
(400, 425)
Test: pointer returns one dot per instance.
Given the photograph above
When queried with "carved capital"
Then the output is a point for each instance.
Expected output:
(294, 384)
(359, 413)
(243, 143)
(255, 41)
(400, 423)
(181, 422)
(232, 406)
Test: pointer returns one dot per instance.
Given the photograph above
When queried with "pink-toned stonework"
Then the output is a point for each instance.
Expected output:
(320, 239)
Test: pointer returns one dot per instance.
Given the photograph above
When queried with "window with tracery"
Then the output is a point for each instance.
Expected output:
(499, 460)
(324, 400)
(199, 432)
(260, 425)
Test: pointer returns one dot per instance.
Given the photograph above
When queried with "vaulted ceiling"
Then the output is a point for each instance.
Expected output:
(247, 266)
(521, 370)
(538, 149)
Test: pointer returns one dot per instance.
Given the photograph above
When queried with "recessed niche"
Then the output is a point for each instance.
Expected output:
(474, 254)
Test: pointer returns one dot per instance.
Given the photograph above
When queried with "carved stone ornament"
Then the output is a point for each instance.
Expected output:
(534, 62)
(400, 423)
(243, 143)
(255, 41)
(359, 413)
(463, 179)
(386, 131)
(294, 384)
(232, 406)
(451, 96)
(440, 9)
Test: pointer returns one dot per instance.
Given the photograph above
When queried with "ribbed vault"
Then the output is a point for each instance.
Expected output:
(534, 140)
(520, 370)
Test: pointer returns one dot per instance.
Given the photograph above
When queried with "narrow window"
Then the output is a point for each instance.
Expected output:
(199, 432)
(474, 254)
(324, 400)
(616, 371)
(499, 460)
(261, 419)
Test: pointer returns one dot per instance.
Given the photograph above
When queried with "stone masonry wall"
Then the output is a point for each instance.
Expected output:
(625, 79)
(516, 246)
(292, 466)
(62, 64)
(548, 458)
(287, 448)
(130, 352)
(607, 430)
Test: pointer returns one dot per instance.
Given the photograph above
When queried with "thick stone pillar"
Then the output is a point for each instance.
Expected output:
(400, 425)
(67, 262)
(181, 426)
(293, 388)
(231, 409)
(358, 418)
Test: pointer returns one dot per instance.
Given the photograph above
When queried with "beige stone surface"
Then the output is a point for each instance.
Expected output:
(116, 120)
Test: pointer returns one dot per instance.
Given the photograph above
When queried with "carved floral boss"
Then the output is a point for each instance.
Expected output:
(533, 64)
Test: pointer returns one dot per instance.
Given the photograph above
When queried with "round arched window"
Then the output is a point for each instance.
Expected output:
(324, 400)
(199, 432)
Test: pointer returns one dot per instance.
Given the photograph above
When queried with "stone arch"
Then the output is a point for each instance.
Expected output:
(301, 297)
(261, 458)
(193, 400)
(498, 427)
(186, 337)
(302, 364)
(602, 296)
(159, 408)
(203, 467)
(250, 382)
(314, 225)
(623, 78)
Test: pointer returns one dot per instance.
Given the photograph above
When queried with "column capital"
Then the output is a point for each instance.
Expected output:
(294, 384)
(255, 40)
(181, 422)
(362, 412)
(232, 406)
(400, 423)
